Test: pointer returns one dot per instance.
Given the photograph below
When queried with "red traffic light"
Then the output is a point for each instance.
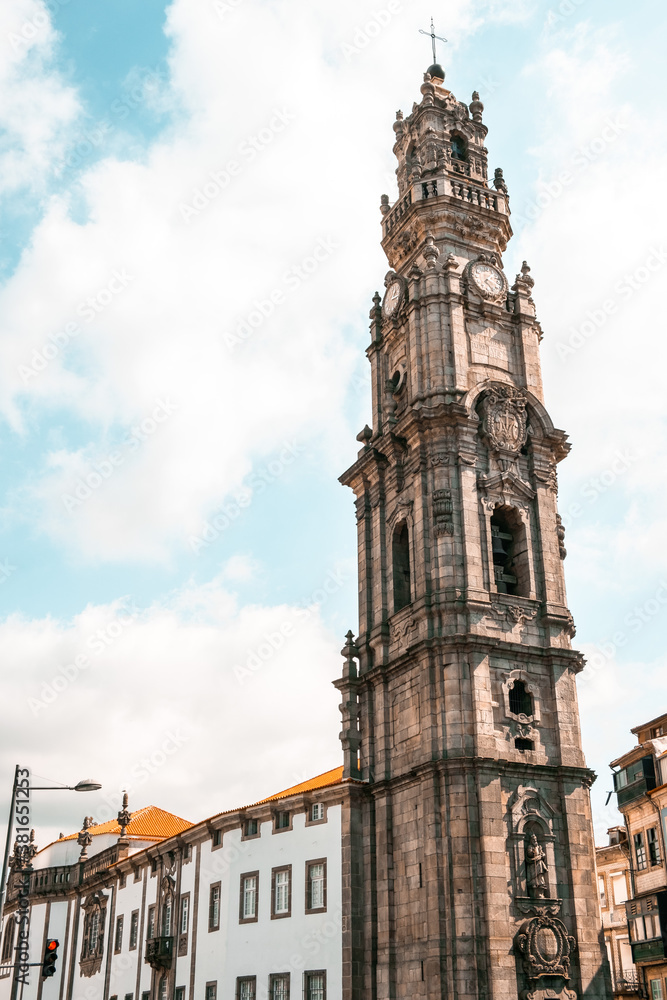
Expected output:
(50, 956)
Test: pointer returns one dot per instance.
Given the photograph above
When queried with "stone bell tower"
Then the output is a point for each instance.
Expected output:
(468, 856)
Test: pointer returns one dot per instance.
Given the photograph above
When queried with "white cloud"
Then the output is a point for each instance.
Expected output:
(182, 703)
(38, 109)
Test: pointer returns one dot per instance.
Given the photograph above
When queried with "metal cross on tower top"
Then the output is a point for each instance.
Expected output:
(433, 38)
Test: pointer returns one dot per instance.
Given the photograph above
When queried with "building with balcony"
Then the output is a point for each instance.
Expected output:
(640, 782)
(614, 886)
(241, 905)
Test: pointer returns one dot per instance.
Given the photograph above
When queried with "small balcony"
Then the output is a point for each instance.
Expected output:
(627, 982)
(159, 952)
(634, 781)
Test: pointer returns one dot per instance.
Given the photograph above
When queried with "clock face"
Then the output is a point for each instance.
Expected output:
(488, 279)
(392, 298)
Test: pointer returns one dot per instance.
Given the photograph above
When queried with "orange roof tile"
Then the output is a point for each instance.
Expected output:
(149, 823)
(333, 777)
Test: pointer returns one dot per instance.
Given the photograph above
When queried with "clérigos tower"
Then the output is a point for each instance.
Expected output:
(468, 857)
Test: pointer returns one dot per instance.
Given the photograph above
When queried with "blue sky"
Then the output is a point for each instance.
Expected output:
(114, 117)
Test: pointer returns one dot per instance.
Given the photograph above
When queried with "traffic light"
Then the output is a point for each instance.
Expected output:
(50, 957)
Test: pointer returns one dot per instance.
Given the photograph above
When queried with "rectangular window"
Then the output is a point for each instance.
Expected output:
(316, 812)
(8, 940)
(146, 995)
(248, 904)
(93, 937)
(118, 940)
(619, 888)
(122, 882)
(640, 851)
(656, 989)
(245, 988)
(214, 907)
(179, 993)
(129, 996)
(316, 885)
(281, 892)
(653, 845)
(211, 991)
(217, 838)
(150, 933)
(315, 985)
(166, 916)
(279, 986)
(185, 914)
(251, 828)
(603, 897)
(137, 874)
(134, 929)
(282, 821)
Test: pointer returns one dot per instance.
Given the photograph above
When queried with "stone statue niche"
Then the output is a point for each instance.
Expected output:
(537, 868)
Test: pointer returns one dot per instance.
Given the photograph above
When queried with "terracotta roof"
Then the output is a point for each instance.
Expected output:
(149, 823)
(333, 777)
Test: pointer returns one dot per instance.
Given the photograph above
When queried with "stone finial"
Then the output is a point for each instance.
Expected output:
(376, 306)
(124, 816)
(365, 435)
(499, 181)
(476, 107)
(428, 90)
(399, 116)
(85, 839)
(430, 253)
(23, 854)
(525, 277)
(384, 203)
(349, 652)
(450, 263)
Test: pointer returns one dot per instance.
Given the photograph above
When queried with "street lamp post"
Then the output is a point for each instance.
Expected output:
(85, 785)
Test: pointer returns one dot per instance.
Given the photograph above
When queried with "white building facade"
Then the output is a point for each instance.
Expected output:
(247, 904)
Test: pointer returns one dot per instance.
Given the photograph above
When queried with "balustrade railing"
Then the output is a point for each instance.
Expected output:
(463, 190)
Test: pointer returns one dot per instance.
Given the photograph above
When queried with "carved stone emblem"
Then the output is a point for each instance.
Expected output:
(545, 947)
(400, 631)
(505, 420)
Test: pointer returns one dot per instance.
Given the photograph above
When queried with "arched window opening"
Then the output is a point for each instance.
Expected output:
(521, 701)
(401, 564)
(510, 552)
(459, 148)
